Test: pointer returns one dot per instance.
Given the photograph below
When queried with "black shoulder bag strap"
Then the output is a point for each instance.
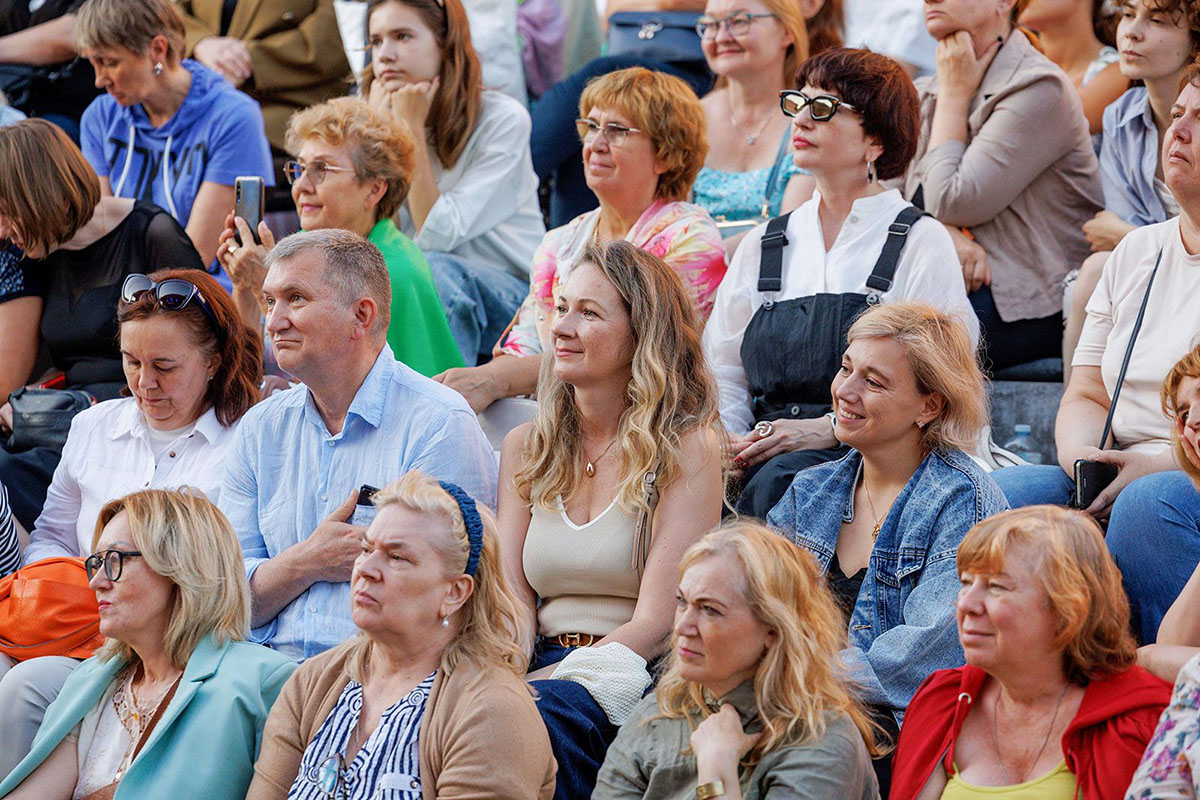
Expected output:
(1137, 326)
(885, 267)
(770, 265)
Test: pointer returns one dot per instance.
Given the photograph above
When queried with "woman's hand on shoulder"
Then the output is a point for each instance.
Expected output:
(720, 742)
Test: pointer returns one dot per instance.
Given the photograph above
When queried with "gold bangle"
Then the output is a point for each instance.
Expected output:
(706, 790)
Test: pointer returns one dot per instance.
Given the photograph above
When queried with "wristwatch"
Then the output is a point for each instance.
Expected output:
(706, 790)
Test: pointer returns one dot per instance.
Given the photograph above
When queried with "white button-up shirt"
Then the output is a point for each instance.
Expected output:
(928, 270)
(108, 455)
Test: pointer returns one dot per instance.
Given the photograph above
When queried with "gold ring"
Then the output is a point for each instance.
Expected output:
(764, 429)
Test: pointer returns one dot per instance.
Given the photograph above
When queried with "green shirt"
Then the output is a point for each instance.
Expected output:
(418, 333)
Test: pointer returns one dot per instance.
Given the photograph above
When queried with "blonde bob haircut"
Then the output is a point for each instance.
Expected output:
(667, 110)
(380, 146)
(48, 190)
(943, 362)
(186, 539)
(670, 393)
(798, 684)
(489, 625)
(130, 24)
(787, 14)
(1186, 367)
(1081, 582)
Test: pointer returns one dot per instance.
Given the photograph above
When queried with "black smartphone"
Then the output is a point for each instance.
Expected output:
(366, 493)
(248, 199)
(364, 509)
(1091, 478)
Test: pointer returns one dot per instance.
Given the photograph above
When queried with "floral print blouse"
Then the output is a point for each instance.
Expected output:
(681, 234)
(1167, 768)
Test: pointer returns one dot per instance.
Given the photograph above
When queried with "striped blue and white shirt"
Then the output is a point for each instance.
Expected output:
(10, 548)
(386, 766)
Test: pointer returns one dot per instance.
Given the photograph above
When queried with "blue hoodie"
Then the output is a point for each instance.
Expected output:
(216, 135)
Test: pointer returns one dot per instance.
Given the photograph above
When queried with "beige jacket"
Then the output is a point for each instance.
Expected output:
(1025, 181)
(481, 735)
(296, 48)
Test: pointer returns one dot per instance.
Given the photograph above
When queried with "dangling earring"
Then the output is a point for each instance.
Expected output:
(871, 176)
(158, 68)
(445, 622)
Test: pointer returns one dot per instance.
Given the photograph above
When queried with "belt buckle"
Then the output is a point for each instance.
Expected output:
(572, 639)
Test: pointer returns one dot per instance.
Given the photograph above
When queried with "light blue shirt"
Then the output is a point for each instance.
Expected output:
(285, 473)
(1129, 158)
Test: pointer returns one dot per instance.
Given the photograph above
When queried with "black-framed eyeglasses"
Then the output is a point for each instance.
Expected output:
(821, 108)
(737, 23)
(614, 134)
(112, 561)
(294, 170)
(173, 294)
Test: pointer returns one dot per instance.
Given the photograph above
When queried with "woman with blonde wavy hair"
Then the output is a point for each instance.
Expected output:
(174, 703)
(430, 693)
(1050, 703)
(619, 472)
(752, 681)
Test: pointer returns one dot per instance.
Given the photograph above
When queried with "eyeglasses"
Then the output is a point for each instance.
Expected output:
(331, 774)
(316, 170)
(737, 23)
(173, 294)
(821, 108)
(614, 134)
(113, 562)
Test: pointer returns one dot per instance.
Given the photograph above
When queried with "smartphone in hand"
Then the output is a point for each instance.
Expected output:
(1091, 478)
(248, 203)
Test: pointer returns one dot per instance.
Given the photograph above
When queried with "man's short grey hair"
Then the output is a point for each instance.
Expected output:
(353, 267)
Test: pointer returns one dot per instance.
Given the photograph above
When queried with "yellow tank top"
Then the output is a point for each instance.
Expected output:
(1057, 784)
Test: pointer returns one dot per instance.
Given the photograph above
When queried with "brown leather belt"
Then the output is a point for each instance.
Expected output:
(576, 639)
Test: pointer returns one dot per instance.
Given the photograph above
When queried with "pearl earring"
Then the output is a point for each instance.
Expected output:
(158, 68)
(445, 622)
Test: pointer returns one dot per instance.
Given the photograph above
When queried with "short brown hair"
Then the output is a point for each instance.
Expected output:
(131, 24)
(943, 362)
(1081, 581)
(883, 94)
(1186, 367)
(234, 387)
(667, 109)
(380, 146)
(47, 188)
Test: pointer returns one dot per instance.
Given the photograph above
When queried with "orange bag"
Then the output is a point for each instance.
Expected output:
(47, 609)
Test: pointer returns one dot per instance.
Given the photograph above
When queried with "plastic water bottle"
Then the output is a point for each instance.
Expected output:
(1022, 444)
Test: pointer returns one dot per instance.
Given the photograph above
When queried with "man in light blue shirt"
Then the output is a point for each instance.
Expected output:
(360, 417)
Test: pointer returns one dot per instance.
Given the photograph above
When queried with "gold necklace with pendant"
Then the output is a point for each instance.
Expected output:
(589, 468)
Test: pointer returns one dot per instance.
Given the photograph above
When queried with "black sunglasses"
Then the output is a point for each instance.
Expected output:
(822, 107)
(172, 294)
(112, 561)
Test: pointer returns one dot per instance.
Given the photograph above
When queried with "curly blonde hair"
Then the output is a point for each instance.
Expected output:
(667, 110)
(380, 146)
(798, 685)
(671, 392)
(490, 625)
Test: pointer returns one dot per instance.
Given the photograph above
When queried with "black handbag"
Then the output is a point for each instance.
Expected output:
(42, 417)
(668, 36)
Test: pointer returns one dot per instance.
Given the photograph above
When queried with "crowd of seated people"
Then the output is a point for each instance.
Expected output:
(261, 534)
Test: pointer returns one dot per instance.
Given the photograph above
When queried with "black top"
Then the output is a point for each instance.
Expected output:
(845, 587)
(81, 289)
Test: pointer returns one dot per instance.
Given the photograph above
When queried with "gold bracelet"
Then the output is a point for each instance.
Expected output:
(707, 790)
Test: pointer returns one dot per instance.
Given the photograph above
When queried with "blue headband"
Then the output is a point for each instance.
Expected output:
(471, 521)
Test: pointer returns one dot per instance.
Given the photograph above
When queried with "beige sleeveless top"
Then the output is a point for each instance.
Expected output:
(582, 573)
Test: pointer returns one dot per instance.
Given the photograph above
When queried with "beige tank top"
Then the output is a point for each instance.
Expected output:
(582, 573)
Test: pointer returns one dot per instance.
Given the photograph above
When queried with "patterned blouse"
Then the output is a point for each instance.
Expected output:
(387, 765)
(1169, 763)
(681, 234)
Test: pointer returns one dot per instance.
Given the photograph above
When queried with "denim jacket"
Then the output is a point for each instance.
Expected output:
(902, 627)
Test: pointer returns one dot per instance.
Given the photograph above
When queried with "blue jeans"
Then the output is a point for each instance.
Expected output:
(1153, 533)
(480, 300)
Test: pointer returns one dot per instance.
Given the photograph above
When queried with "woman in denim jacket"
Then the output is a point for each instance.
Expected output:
(885, 521)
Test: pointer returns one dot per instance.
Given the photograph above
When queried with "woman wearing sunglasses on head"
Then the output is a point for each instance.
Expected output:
(778, 328)
(174, 703)
(76, 247)
(192, 369)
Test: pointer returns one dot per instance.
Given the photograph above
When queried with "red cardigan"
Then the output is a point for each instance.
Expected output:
(1102, 746)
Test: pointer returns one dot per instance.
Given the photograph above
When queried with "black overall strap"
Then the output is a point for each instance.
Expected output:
(885, 268)
(770, 265)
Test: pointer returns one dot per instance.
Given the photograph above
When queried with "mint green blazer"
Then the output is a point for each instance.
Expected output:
(205, 743)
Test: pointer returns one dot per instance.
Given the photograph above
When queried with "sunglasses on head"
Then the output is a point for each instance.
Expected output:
(173, 294)
(821, 108)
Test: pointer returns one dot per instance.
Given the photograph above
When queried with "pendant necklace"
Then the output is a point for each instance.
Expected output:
(878, 519)
(589, 468)
(752, 137)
